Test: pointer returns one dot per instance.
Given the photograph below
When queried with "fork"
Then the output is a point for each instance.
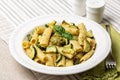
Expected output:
(110, 63)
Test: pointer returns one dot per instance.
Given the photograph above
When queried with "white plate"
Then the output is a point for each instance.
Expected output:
(101, 52)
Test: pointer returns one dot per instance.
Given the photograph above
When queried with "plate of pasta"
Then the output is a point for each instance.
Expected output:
(59, 44)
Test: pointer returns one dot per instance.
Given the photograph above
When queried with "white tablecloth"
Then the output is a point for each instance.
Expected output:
(15, 12)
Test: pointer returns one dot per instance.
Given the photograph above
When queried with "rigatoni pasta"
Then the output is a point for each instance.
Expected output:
(45, 37)
(50, 60)
(60, 45)
(82, 33)
(26, 44)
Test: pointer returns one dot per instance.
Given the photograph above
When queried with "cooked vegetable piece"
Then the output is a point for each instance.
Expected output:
(51, 49)
(76, 61)
(68, 55)
(42, 48)
(89, 34)
(68, 51)
(33, 53)
(58, 40)
(46, 25)
(62, 62)
(59, 57)
(68, 46)
(28, 37)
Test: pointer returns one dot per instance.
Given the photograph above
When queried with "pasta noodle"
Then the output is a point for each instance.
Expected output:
(25, 44)
(76, 45)
(87, 56)
(73, 31)
(79, 55)
(69, 62)
(39, 30)
(82, 33)
(92, 43)
(34, 38)
(45, 37)
(50, 60)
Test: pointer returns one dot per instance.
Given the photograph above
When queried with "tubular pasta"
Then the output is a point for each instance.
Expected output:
(34, 38)
(50, 59)
(73, 31)
(92, 43)
(76, 45)
(69, 62)
(45, 37)
(39, 29)
(25, 44)
(82, 33)
(87, 56)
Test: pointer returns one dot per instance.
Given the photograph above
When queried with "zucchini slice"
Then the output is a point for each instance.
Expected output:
(68, 46)
(28, 37)
(59, 58)
(76, 61)
(33, 53)
(68, 51)
(89, 34)
(51, 49)
(42, 48)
